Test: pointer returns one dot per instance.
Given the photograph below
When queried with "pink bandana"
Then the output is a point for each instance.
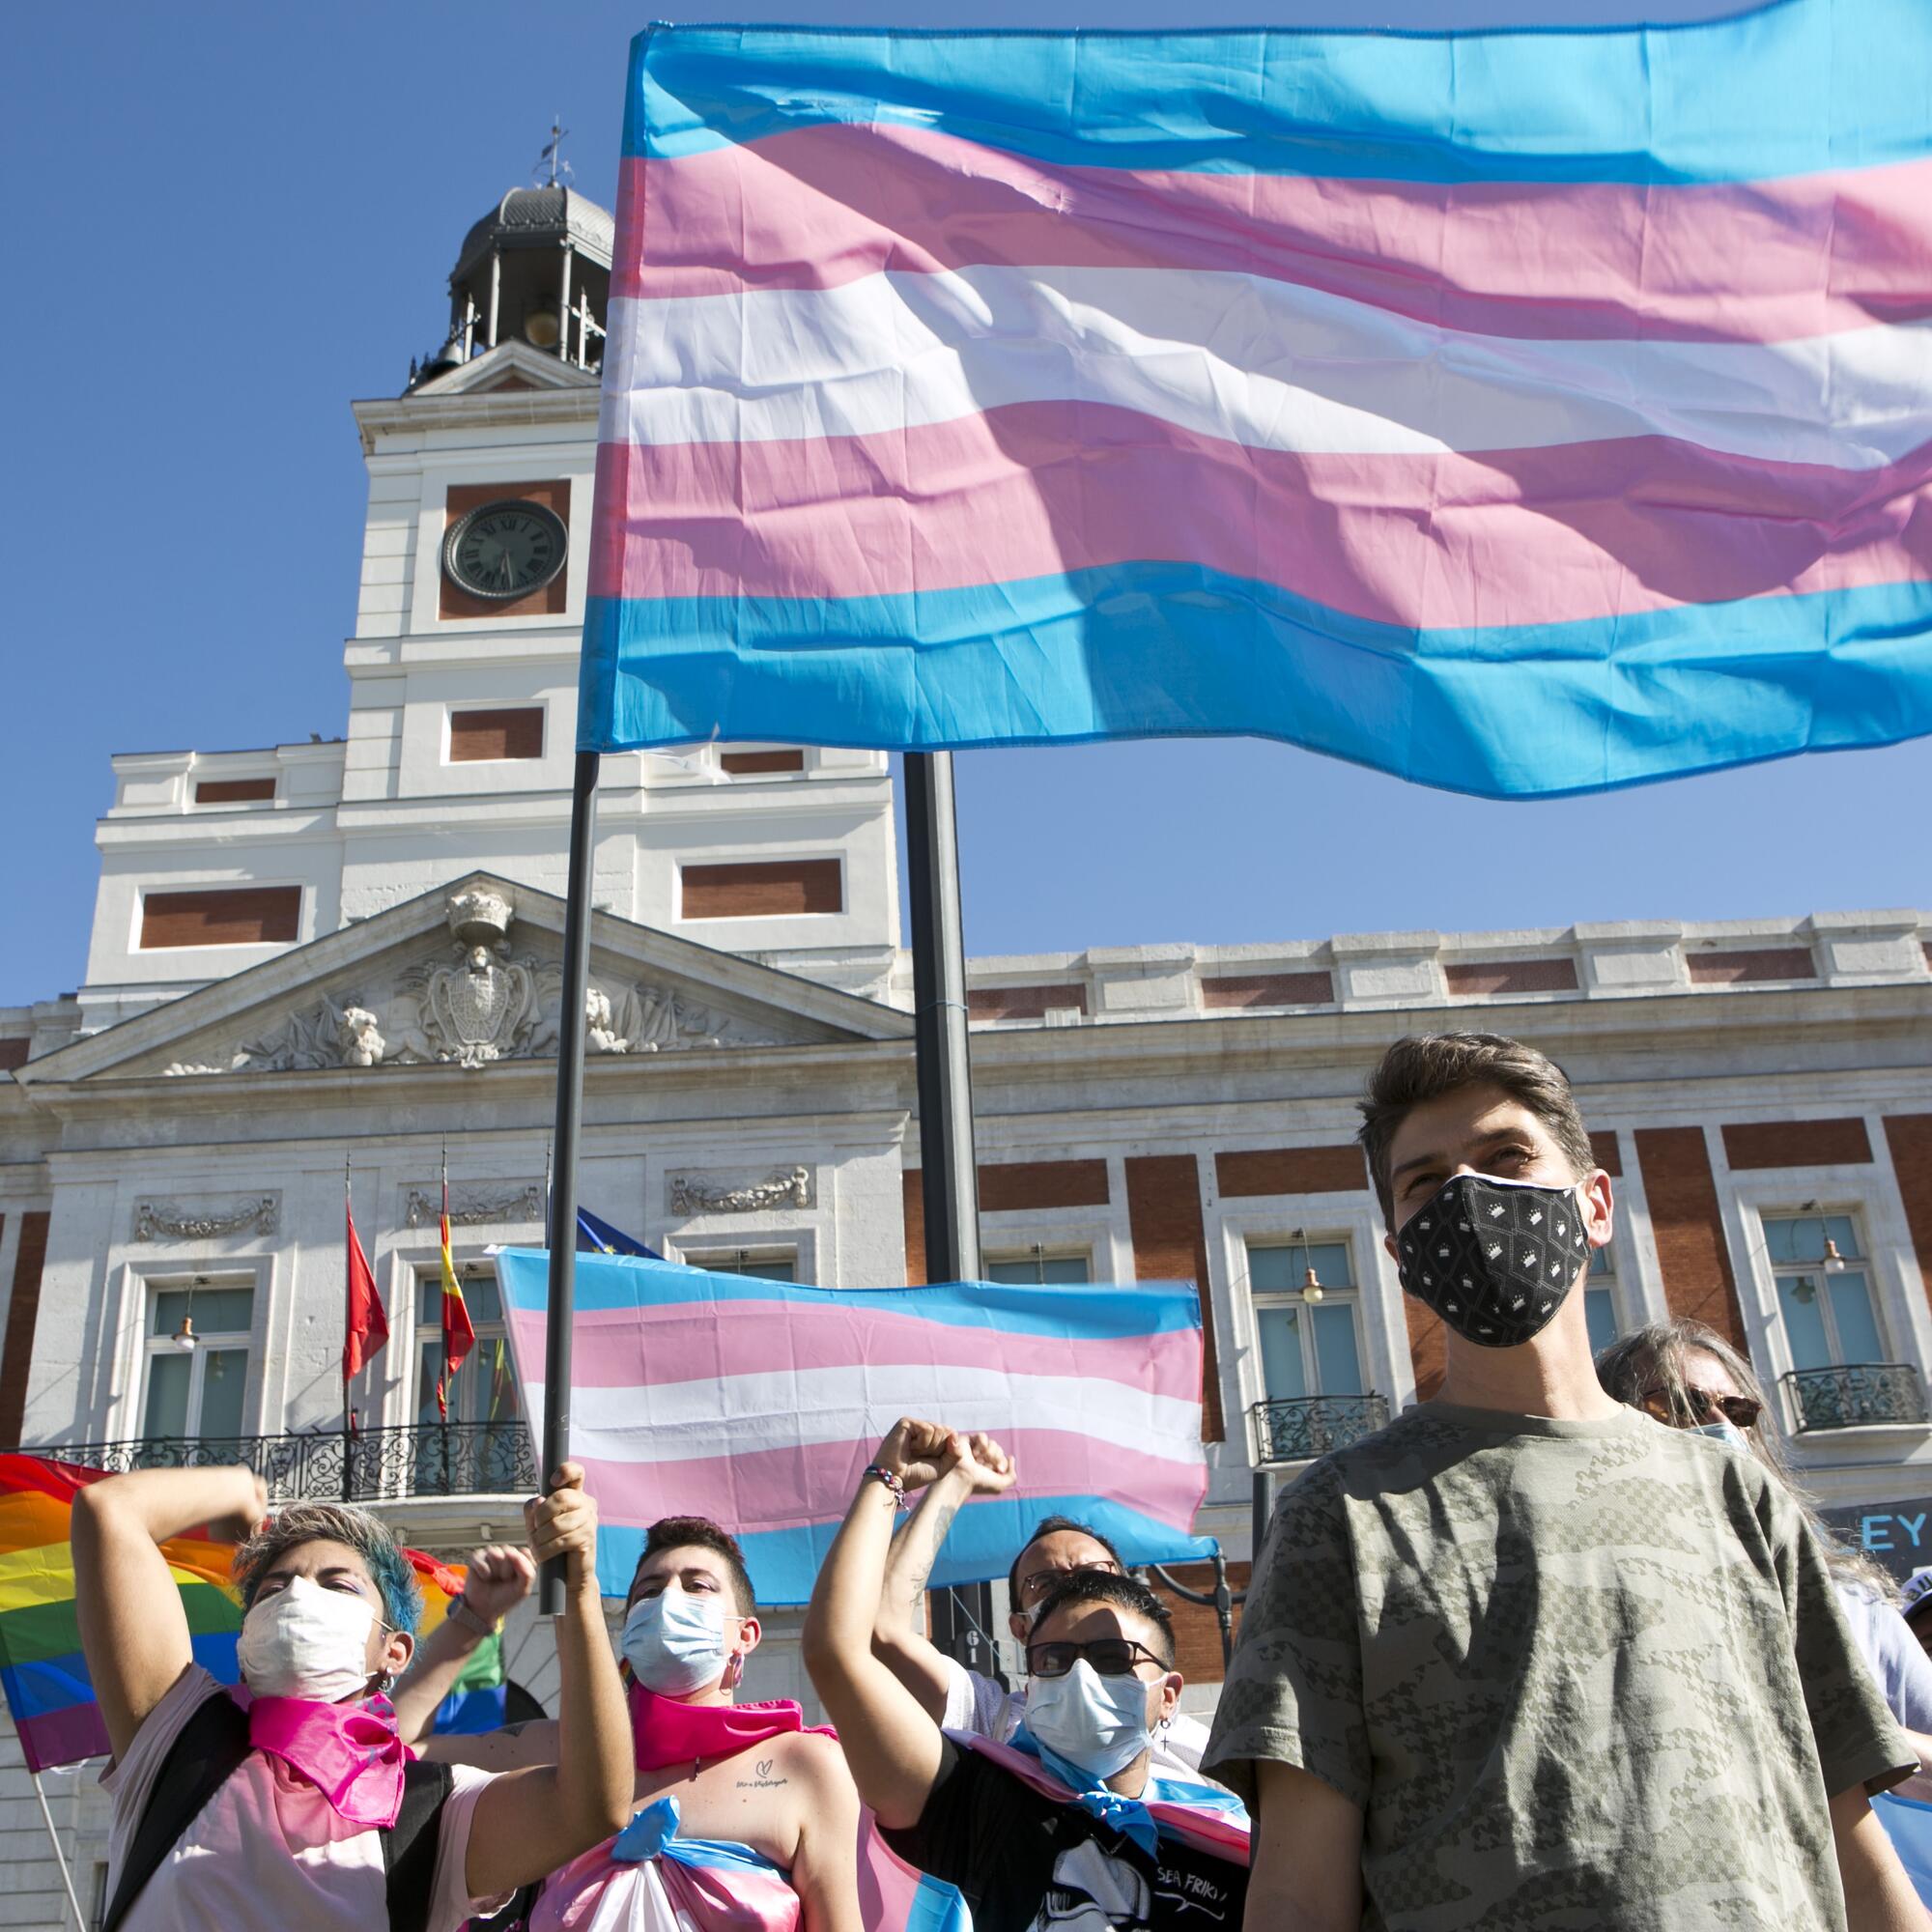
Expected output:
(667, 1732)
(349, 1752)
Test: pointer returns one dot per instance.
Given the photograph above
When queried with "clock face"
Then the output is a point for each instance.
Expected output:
(504, 551)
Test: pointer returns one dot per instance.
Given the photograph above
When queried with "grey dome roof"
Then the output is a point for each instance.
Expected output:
(538, 217)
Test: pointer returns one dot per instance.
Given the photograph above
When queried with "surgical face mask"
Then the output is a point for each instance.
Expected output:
(1727, 1433)
(1495, 1259)
(674, 1642)
(1099, 1724)
(305, 1641)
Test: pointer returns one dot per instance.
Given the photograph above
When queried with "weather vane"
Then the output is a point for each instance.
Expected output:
(552, 154)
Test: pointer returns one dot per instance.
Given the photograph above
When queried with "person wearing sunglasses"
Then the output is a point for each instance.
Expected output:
(1066, 1824)
(959, 1699)
(1686, 1375)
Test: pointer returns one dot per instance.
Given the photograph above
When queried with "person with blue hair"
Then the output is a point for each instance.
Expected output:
(292, 1800)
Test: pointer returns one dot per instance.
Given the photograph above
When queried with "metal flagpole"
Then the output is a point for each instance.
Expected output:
(562, 1231)
(948, 1175)
(348, 1319)
(60, 1856)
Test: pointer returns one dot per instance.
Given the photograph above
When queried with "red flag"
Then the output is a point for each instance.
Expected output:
(459, 1336)
(368, 1326)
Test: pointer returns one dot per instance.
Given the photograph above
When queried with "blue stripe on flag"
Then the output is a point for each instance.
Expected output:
(981, 1546)
(54, 1683)
(617, 1281)
(1172, 650)
(1788, 89)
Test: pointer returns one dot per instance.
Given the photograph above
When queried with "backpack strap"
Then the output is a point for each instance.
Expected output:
(410, 1846)
(210, 1747)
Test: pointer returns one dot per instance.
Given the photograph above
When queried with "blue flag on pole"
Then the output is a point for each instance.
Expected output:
(598, 1236)
(1518, 412)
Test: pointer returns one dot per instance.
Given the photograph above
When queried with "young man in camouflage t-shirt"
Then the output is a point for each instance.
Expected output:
(1527, 1658)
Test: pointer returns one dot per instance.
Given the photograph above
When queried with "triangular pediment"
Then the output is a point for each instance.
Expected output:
(510, 365)
(470, 976)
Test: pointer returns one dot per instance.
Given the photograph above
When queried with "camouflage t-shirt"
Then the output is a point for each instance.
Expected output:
(1576, 1674)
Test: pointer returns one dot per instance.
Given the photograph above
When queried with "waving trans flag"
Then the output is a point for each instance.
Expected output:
(1519, 413)
(759, 1402)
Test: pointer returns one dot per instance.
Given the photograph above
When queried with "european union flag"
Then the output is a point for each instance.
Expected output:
(599, 1237)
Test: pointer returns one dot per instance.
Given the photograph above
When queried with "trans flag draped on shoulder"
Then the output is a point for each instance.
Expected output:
(1518, 412)
(758, 1404)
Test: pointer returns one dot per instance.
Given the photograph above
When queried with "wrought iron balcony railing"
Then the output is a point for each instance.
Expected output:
(462, 1458)
(1292, 1429)
(1855, 1394)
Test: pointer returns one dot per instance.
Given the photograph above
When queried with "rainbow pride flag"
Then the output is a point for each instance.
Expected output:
(43, 1674)
(1514, 411)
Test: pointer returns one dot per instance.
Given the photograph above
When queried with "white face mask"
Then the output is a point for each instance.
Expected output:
(674, 1643)
(305, 1641)
(1098, 1723)
(1727, 1433)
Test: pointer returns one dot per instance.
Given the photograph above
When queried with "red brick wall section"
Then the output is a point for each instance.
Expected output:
(1196, 1629)
(750, 764)
(1796, 1144)
(1478, 979)
(1266, 989)
(913, 1186)
(489, 737)
(1010, 1186)
(13, 1053)
(221, 915)
(16, 1353)
(1751, 968)
(1314, 1170)
(232, 791)
(780, 889)
(1910, 1139)
(1022, 1002)
(1171, 1244)
(1608, 1156)
(1689, 1230)
(549, 602)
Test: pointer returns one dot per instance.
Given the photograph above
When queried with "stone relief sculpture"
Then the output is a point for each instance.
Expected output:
(708, 1194)
(475, 1206)
(477, 1004)
(173, 1221)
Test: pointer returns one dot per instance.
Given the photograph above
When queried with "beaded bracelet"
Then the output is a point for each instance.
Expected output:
(891, 1483)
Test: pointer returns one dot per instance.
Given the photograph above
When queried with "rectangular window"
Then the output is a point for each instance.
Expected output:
(488, 1455)
(784, 888)
(1039, 1268)
(1600, 1300)
(221, 915)
(755, 764)
(768, 1264)
(1824, 1292)
(232, 791)
(487, 737)
(197, 1362)
(1308, 1348)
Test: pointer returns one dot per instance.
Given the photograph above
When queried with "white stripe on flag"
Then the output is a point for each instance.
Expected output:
(1242, 358)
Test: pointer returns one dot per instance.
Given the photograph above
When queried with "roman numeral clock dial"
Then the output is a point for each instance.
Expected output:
(500, 551)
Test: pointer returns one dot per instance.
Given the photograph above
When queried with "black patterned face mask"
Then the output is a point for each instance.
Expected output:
(1493, 1257)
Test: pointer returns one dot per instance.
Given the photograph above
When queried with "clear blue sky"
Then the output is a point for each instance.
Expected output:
(230, 219)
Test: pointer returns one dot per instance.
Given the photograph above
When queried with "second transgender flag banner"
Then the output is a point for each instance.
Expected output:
(1517, 412)
(758, 1404)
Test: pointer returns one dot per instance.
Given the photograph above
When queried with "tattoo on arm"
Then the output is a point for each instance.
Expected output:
(942, 1521)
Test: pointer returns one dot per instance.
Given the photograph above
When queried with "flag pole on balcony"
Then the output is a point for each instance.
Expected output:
(562, 1231)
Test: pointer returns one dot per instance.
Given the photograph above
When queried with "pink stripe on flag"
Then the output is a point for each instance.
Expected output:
(802, 1484)
(1766, 261)
(618, 1349)
(1527, 537)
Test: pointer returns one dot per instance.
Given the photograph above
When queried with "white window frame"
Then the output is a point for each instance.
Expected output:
(197, 1281)
(1862, 1261)
(711, 1252)
(1026, 1253)
(418, 1274)
(1277, 1297)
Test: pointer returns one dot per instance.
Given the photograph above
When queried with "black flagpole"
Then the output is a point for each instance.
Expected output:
(949, 1176)
(562, 1229)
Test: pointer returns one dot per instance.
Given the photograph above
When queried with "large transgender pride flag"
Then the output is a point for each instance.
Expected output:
(758, 1404)
(1516, 411)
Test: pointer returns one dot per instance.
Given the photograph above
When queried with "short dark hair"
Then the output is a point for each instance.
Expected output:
(368, 1536)
(1420, 1067)
(1124, 1593)
(700, 1532)
(1052, 1526)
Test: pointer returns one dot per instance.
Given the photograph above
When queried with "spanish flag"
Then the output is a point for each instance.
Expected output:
(459, 1337)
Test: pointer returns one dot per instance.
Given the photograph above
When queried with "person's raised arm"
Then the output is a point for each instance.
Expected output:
(499, 1580)
(897, 1639)
(529, 1823)
(1878, 1895)
(134, 1631)
(1306, 1874)
(891, 1743)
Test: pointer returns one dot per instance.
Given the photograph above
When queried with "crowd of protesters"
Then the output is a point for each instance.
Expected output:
(1562, 1647)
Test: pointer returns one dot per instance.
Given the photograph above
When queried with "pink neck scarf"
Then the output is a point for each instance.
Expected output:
(349, 1752)
(664, 1731)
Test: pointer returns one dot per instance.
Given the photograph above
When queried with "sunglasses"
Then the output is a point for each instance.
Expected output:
(1035, 1583)
(1705, 1406)
(1110, 1657)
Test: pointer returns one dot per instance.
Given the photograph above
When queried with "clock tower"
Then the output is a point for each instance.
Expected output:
(458, 748)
